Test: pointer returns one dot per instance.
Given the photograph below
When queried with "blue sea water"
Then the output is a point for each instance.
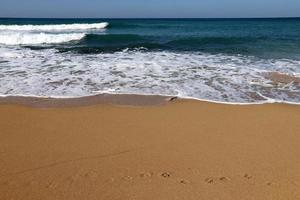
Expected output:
(225, 60)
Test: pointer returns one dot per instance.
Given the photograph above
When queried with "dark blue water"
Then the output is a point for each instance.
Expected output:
(269, 38)
(250, 47)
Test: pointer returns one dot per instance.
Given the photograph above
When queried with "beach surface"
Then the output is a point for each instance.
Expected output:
(180, 149)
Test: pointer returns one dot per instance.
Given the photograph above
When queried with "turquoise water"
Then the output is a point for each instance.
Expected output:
(225, 60)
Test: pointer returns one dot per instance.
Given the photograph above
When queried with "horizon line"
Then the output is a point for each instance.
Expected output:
(149, 17)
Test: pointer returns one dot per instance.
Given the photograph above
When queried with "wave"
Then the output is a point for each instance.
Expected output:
(114, 38)
(97, 50)
(93, 43)
(38, 38)
(262, 47)
(175, 41)
(55, 27)
(85, 42)
(45, 34)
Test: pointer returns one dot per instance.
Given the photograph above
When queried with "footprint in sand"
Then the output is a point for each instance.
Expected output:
(270, 183)
(182, 181)
(211, 180)
(166, 175)
(247, 176)
(146, 174)
(224, 178)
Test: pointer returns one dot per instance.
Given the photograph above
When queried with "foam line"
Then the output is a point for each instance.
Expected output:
(56, 27)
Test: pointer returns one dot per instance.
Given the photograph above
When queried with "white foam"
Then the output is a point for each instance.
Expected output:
(55, 27)
(38, 38)
(215, 78)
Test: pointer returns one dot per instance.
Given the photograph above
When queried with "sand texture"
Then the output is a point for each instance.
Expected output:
(183, 149)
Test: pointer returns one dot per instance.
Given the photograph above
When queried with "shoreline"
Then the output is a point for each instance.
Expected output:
(109, 99)
(118, 99)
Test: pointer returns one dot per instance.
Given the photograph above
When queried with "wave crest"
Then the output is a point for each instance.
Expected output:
(55, 27)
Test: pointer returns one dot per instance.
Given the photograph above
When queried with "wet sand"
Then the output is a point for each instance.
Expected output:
(182, 149)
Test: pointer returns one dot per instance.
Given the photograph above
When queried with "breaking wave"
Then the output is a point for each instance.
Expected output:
(38, 38)
(55, 27)
(45, 34)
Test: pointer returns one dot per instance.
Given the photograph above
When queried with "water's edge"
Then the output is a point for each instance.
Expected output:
(113, 99)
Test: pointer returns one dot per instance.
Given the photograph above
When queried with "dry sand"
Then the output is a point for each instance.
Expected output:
(180, 150)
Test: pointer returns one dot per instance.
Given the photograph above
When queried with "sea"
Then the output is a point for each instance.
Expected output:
(236, 61)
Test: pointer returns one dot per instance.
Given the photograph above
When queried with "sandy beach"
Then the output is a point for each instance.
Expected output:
(181, 149)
